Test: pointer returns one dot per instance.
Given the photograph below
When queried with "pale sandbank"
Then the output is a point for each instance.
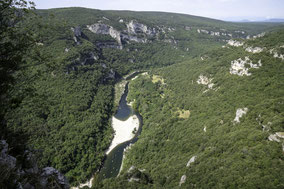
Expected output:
(123, 130)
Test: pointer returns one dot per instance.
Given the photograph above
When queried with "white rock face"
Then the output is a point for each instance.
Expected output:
(242, 32)
(106, 30)
(254, 49)
(39, 44)
(99, 28)
(192, 160)
(188, 28)
(215, 33)
(134, 27)
(280, 134)
(115, 34)
(235, 43)
(276, 137)
(273, 137)
(240, 112)
(182, 180)
(238, 67)
(133, 38)
(259, 35)
(203, 80)
(205, 31)
(88, 184)
(276, 55)
(211, 32)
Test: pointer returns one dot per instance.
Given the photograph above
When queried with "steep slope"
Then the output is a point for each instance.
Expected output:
(63, 98)
(215, 122)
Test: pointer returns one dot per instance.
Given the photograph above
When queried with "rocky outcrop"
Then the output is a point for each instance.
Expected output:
(276, 137)
(86, 59)
(105, 30)
(240, 112)
(273, 137)
(49, 173)
(111, 74)
(192, 160)
(77, 31)
(235, 43)
(276, 55)
(77, 34)
(113, 45)
(215, 33)
(135, 27)
(182, 180)
(254, 49)
(25, 173)
(137, 175)
(133, 38)
(256, 36)
(203, 80)
(5, 158)
(99, 28)
(240, 67)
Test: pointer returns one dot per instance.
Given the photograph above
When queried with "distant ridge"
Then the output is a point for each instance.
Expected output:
(272, 20)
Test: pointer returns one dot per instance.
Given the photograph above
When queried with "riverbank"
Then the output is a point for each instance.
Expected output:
(123, 130)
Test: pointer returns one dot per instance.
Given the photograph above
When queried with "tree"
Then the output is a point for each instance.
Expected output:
(15, 40)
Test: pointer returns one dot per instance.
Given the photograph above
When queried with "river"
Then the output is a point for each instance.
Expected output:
(113, 162)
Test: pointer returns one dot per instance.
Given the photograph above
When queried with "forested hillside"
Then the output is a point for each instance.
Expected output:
(57, 98)
(212, 123)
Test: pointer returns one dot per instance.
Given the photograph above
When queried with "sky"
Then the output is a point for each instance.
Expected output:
(233, 10)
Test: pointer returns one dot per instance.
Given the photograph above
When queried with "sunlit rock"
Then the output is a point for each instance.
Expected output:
(275, 54)
(273, 137)
(203, 80)
(254, 49)
(235, 43)
(192, 160)
(134, 27)
(182, 180)
(241, 67)
(240, 112)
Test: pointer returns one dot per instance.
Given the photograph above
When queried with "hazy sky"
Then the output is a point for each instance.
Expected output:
(220, 9)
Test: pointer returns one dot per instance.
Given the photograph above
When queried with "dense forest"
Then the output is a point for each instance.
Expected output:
(228, 153)
(57, 96)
